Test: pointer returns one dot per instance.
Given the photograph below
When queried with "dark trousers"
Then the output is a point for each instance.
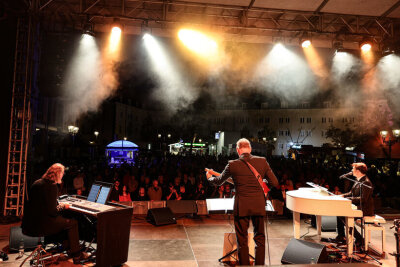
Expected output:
(241, 227)
(341, 224)
(69, 227)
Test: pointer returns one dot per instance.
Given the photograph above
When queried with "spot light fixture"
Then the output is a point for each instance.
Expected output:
(389, 47)
(305, 43)
(366, 45)
(338, 46)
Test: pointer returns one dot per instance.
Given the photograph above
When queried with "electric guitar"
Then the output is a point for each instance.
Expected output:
(214, 173)
(229, 180)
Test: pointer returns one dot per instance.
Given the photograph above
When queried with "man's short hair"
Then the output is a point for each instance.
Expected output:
(361, 167)
(243, 143)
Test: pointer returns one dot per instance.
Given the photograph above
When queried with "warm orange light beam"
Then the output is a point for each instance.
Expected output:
(114, 40)
(316, 63)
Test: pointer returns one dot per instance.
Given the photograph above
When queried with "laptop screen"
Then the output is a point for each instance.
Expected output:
(103, 195)
(94, 191)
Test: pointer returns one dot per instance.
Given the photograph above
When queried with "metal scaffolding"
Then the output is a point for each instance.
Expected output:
(21, 114)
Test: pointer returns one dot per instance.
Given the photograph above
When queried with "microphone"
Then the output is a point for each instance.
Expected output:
(346, 175)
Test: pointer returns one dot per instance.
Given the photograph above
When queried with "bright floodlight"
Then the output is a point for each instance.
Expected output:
(365, 47)
(305, 43)
(198, 42)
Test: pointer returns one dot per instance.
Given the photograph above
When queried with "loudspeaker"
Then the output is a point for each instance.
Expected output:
(301, 252)
(160, 216)
(17, 239)
(182, 206)
(328, 223)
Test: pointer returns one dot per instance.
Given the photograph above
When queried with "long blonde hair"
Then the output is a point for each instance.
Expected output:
(54, 172)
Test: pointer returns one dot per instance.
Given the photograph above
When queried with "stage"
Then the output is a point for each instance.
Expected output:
(200, 241)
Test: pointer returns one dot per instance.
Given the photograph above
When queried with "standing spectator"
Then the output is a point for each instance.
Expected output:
(173, 194)
(155, 192)
(336, 190)
(115, 192)
(200, 192)
(227, 191)
(141, 196)
(79, 182)
(124, 196)
(132, 185)
(183, 194)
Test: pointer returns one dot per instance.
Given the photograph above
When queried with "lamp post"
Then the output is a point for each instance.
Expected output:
(73, 130)
(391, 140)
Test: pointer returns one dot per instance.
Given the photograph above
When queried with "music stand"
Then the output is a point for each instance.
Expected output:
(225, 206)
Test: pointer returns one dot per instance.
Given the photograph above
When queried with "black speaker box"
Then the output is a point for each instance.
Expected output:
(182, 206)
(17, 239)
(160, 216)
(328, 223)
(301, 252)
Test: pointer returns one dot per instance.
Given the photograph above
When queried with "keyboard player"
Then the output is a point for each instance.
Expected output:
(361, 196)
(42, 212)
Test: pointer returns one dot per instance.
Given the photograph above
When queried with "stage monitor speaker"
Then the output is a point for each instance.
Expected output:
(301, 252)
(17, 239)
(182, 206)
(160, 216)
(328, 223)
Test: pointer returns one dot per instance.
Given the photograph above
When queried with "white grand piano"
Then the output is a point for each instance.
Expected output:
(318, 201)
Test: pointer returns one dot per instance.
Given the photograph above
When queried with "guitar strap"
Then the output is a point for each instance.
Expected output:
(256, 174)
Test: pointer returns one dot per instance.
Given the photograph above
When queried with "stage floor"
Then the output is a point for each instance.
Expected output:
(199, 242)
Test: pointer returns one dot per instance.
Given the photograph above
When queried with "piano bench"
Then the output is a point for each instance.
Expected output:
(373, 223)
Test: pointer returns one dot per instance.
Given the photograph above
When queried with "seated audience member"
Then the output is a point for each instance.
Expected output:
(155, 192)
(124, 196)
(115, 192)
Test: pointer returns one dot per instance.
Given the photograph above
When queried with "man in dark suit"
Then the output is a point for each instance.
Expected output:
(361, 196)
(41, 212)
(249, 201)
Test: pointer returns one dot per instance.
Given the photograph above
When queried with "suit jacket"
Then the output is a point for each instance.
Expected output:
(41, 217)
(249, 197)
(365, 201)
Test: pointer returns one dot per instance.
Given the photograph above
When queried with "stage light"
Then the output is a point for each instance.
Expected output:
(305, 43)
(198, 42)
(389, 47)
(338, 46)
(366, 47)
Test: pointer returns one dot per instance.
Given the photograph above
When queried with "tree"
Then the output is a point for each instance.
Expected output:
(347, 137)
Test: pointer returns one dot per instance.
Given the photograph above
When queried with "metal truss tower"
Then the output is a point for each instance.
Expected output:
(25, 64)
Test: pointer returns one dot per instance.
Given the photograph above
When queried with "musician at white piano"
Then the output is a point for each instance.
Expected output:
(249, 201)
(42, 212)
(361, 197)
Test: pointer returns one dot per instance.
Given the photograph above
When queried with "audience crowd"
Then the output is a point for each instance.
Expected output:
(182, 177)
